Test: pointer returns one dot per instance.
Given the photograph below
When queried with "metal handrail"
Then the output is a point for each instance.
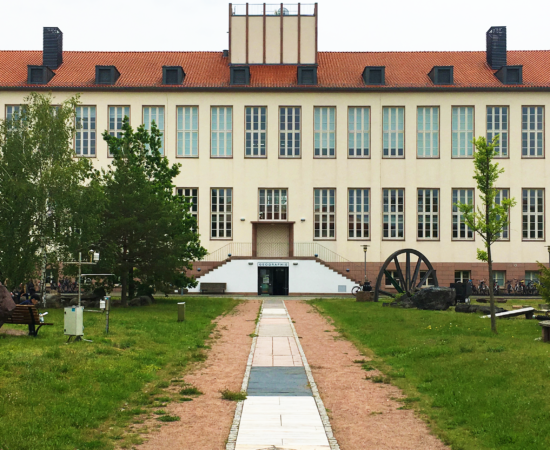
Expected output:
(276, 249)
(313, 248)
(274, 9)
(231, 249)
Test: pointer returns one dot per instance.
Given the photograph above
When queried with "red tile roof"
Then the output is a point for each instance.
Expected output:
(337, 70)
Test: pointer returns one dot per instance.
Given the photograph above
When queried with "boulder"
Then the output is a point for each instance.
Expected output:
(53, 301)
(144, 300)
(466, 308)
(402, 302)
(434, 298)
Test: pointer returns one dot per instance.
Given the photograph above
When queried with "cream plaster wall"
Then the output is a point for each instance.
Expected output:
(291, 40)
(308, 39)
(255, 40)
(301, 176)
(238, 39)
(273, 40)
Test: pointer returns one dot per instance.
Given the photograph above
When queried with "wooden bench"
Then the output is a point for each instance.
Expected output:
(27, 315)
(529, 312)
(545, 330)
(213, 288)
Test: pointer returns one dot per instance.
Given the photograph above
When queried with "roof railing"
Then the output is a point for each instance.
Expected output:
(274, 9)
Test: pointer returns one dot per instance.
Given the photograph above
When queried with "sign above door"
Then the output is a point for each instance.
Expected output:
(273, 264)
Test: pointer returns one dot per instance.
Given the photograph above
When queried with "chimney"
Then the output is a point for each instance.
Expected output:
(52, 56)
(496, 47)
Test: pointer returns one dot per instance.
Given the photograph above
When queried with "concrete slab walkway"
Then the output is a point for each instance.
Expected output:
(283, 409)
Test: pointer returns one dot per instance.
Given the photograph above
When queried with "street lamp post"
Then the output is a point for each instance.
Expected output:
(365, 248)
(548, 247)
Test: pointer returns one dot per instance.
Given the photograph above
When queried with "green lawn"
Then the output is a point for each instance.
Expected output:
(478, 390)
(58, 396)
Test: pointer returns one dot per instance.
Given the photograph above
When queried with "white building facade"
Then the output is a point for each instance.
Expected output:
(300, 158)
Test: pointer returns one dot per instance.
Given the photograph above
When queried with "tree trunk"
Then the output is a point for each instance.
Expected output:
(131, 283)
(124, 282)
(491, 293)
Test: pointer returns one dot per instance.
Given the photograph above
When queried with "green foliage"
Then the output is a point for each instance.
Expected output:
(82, 395)
(147, 230)
(543, 285)
(233, 395)
(477, 389)
(490, 219)
(47, 194)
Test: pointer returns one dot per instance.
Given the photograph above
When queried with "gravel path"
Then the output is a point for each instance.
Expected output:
(206, 421)
(361, 412)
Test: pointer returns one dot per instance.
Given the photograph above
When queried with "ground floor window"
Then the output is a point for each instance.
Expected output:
(394, 213)
(192, 196)
(221, 213)
(273, 204)
(533, 213)
(460, 229)
(325, 213)
(500, 277)
(532, 275)
(358, 214)
(462, 276)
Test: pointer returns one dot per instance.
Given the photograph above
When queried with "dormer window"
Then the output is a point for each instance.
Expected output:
(307, 75)
(240, 75)
(39, 74)
(172, 75)
(106, 74)
(510, 74)
(442, 75)
(374, 75)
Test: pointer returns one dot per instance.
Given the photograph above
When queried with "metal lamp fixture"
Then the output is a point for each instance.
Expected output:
(365, 248)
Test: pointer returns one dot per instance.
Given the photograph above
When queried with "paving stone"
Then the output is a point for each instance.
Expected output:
(278, 381)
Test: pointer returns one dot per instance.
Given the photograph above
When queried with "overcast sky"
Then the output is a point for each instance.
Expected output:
(344, 25)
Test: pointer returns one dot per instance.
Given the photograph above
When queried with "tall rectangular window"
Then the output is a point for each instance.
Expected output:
(427, 132)
(460, 230)
(393, 213)
(188, 131)
(325, 132)
(393, 132)
(358, 132)
(273, 204)
(221, 213)
(222, 131)
(255, 134)
(116, 119)
(463, 131)
(11, 111)
(533, 213)
(85, 131)
(358, 214)
(191, 196)
(503, 194)
(428, 214)
(497, 123)
(156, 114)
(325, 213)
(532, 131)
(289, 132)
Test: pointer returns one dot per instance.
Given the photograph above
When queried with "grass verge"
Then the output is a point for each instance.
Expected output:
(477, 390)
(58, 396)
